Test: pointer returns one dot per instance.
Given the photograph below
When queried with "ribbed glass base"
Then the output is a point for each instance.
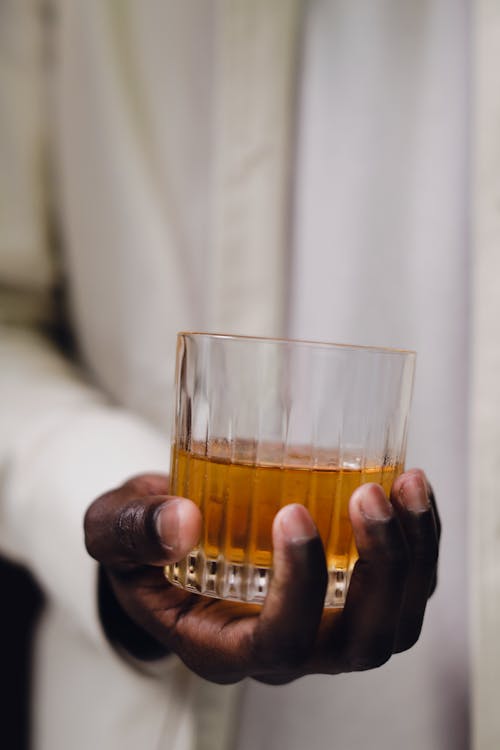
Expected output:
(241, 583)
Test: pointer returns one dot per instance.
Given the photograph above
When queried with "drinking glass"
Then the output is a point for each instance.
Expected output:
(260, 423)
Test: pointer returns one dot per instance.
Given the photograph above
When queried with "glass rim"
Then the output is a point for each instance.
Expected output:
(304, 342)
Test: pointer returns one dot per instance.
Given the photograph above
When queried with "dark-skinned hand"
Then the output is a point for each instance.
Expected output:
(133, 531)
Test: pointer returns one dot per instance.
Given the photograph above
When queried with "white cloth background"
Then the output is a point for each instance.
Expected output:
(382, 257)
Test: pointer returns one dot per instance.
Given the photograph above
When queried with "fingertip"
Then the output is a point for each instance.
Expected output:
(293, 524)
(178, 525)
(369, 502)
(411, 491)
(418, 474)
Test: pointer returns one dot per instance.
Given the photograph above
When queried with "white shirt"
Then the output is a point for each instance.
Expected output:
(170, 152)
(382, 257)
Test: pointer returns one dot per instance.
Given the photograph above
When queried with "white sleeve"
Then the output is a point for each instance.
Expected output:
(61, 445)
(61, 442)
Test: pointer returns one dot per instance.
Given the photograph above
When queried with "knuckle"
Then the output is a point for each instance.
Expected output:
(407, 641)
(282, 679)
(90, 523)
(94, 517)
(380, 659)
(117, 525)
(433, 585)
(370, 660)
(128, 526)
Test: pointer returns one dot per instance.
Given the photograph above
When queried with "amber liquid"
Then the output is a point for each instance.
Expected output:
(238, 501)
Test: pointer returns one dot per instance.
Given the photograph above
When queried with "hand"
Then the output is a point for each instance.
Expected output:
(136, 529)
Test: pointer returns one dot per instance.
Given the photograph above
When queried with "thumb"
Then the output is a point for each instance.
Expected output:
(124, 531)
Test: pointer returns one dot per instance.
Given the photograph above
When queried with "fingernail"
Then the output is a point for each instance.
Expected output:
(414, 493)
(373, 503)
(168, 523)
(296, 523)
